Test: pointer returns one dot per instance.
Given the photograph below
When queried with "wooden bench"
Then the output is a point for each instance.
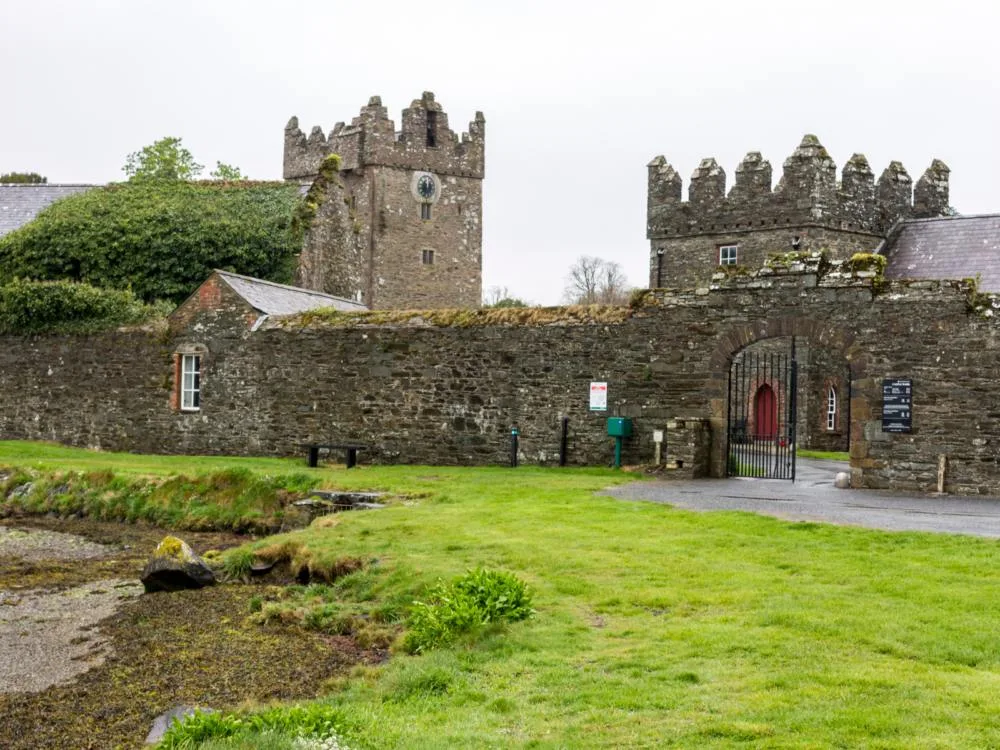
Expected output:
(352, 452)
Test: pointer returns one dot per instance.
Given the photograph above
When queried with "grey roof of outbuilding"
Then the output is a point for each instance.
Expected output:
(278, 299)
(19, 204)
(950, 247)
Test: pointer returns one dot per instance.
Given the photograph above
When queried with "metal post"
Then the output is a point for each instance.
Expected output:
(793, 408)
(514, 433)
(618, 452)
(564, 441)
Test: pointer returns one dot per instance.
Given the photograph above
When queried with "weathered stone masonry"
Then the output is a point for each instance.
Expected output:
(434, 389)
(374, 236)
(809, 206)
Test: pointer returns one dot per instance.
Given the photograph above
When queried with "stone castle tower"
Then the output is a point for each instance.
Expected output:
(809, 209)
(407, 230)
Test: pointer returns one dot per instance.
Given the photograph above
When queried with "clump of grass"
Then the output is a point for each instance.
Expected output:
(237, 564)
(306, 565)
(234, 499)
(481, 597)
(281, 726)
(330, 608)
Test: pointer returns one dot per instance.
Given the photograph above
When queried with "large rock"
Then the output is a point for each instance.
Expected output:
(175, 566)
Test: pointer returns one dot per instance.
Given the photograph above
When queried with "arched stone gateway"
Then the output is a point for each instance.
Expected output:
(827, 355)
(778, 400)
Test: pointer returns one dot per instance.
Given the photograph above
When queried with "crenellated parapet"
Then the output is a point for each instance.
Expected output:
(424, 142)
(808, 194)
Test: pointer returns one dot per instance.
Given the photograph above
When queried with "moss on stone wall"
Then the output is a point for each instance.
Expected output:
(862, 262)
(329, 170)
(508, 316)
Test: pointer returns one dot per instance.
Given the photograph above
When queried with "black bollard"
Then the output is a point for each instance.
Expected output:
(564, 441)
(513, 447)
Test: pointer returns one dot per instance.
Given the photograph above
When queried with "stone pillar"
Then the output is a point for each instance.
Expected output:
(688, 447)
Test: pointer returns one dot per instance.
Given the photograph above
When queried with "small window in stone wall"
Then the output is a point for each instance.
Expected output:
(728, 255)
(425, 211)
(831, 409)
(432, 128)
(428, 257)
(190, 382)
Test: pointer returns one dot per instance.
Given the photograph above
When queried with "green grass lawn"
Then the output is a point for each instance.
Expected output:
(655, 627)
(826, 455)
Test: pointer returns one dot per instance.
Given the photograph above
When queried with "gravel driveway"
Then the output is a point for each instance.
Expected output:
(812, 497)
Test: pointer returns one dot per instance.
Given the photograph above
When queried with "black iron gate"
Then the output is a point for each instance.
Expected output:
(762, 412)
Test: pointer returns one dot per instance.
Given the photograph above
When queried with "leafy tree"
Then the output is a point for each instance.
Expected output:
(226, 172)
(159, 238)
(595, 281)
(500, 297)
(23, 178)
(166, 159)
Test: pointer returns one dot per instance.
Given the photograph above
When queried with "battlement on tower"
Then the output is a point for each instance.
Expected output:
(807, 194)
(425, 142)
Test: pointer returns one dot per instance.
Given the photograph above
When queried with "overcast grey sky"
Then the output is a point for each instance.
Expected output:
(578, 96)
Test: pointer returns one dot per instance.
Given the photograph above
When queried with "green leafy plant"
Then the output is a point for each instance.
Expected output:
(226, 172)
(480, 597)
(159, 238)
(68, 307)
(312, 720)
(165, 159)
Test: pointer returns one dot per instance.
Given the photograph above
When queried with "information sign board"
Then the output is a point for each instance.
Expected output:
(897, 405)
(598, 396)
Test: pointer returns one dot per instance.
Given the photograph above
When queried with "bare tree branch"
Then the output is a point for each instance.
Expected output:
(593, 281)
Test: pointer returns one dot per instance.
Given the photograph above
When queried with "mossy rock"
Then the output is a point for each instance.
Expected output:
(175, 566)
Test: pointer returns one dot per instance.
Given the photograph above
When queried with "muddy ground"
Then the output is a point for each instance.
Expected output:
(159, 650)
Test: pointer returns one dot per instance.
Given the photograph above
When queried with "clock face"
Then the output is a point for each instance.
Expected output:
(425, 186)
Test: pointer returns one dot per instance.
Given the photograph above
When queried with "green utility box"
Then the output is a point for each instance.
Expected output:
(619, 427)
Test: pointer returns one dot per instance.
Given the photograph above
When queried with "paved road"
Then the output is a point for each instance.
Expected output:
(812, 497)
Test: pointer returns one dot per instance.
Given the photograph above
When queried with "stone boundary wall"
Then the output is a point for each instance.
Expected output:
(446, 387)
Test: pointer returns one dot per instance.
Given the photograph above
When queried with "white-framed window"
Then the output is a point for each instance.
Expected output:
(425, 211)
(428, 257)
(190, 382)
(831, 409)
(728, 255)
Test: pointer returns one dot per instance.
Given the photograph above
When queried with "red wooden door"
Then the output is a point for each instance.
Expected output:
(765, 413)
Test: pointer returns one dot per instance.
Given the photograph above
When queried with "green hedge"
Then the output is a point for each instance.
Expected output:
(28, 307)
(160, 239)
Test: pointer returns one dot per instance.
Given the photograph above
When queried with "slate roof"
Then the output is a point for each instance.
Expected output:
(950, 247)
(19, 204)
(278, 299)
